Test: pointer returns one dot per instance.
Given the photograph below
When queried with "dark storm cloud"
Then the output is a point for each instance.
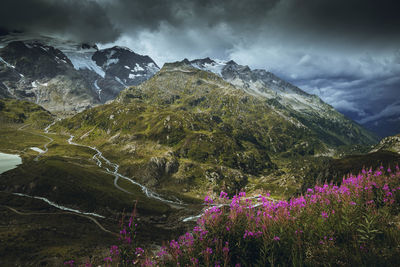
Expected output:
(79, 20)
(352, 18)
(105, 20)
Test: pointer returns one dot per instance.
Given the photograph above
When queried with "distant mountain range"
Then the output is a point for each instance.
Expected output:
(66, 76)
(69, 77)
(113, 129)
(187, 129)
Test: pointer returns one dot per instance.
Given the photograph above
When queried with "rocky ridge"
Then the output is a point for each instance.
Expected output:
(293, 103)
(67, 76)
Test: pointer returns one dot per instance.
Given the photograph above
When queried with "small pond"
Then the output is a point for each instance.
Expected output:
(9, 161)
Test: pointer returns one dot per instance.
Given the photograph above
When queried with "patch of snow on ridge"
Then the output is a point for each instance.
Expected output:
(214, 67)
(84, 61)
(133, 76)
(138, 68)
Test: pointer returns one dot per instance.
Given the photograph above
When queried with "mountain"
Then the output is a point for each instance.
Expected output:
(65, 76)
(45, 76)
(111, 70)
(309, 110)
(189, 130)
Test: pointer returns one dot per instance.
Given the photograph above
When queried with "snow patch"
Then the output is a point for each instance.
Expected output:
(133, 76)
(83, 60)
(119, 80)
(138, 68)
(214, 67)
(37, 150)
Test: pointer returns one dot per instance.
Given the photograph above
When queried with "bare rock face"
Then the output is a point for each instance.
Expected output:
(124, 64)
(68, 77)
(159, 168)
(45, 76)
(390, 143)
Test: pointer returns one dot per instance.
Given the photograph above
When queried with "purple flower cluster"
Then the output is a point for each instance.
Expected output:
(114, 250)
(234, 231)
(261, 217)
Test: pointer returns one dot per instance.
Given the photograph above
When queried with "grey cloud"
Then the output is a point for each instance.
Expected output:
(75, 19)
(105, 20)
(390, 110)
(359, 83)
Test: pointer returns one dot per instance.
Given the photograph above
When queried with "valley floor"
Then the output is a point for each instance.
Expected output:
(34, 232)
(66, 199)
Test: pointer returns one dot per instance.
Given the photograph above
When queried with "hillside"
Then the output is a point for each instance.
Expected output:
(15, 111)
(331, 126)
(188, 130)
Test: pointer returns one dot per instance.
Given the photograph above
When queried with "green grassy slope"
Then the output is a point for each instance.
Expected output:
(17, 111)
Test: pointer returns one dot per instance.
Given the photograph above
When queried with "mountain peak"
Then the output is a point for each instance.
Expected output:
(185, 63)
(202, 61)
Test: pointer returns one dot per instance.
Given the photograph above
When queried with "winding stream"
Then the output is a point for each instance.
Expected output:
(115, 167)
(111, 168)
(59, 206)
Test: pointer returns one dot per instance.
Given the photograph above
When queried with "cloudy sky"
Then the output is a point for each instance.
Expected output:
(345, 51)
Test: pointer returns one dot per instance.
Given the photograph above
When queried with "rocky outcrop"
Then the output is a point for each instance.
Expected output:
(390, 143)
